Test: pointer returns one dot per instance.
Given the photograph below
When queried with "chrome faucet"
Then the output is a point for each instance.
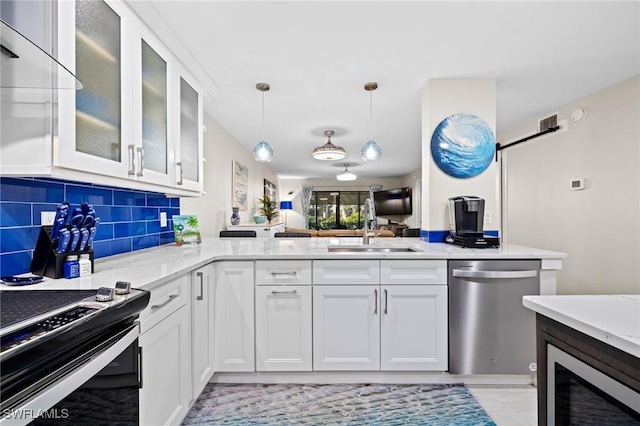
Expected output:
(365, 228)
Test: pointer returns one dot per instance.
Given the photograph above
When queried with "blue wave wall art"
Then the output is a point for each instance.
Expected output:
(463, 145)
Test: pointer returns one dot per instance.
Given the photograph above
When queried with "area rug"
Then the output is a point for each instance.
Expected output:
(337, 404)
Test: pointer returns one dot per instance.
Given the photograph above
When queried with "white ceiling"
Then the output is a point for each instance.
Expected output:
(317, 56)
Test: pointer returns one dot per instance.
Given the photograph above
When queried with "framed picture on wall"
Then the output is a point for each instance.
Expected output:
(240, 186)
(270, 189)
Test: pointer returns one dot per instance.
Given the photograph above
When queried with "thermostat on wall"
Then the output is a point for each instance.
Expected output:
(578, 184)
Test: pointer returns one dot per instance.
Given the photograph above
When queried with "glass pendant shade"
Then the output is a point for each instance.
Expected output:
(346, 175)
(370, 151)
(329, 151)
(262, 152)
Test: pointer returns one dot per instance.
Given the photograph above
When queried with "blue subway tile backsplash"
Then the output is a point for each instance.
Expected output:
(129, 219)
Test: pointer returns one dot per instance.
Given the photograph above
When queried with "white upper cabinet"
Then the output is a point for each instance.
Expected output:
(95, 124)
(188, 148)
(137, 121)
(153, 71)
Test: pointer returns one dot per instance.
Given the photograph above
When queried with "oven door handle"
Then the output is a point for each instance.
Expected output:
(45, 398)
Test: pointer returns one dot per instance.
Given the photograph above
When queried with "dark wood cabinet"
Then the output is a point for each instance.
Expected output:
(614, 363)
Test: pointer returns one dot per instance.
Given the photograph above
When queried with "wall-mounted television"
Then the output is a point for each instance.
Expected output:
(394, 204)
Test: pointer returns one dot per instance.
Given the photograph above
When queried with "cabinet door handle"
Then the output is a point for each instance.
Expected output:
(386, 299)
(154, 307)
(132, 160)
(274, 273)
(179, 164)
(284, 292)
(201, 276)
(375, 304)
(141, 155)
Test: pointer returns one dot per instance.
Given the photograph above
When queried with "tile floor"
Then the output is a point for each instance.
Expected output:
(508, 405)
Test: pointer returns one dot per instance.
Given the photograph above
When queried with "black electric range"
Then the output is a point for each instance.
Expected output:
(46, 334)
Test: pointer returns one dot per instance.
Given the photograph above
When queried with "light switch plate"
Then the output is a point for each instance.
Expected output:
(47, 218)
(163, 219)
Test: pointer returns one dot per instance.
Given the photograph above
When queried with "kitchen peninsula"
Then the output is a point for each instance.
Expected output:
(150, 267)
(306, 310)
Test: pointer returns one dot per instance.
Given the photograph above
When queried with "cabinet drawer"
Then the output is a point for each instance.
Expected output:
(346, 272)
(165, 299)
(283, 272)
(413, 272)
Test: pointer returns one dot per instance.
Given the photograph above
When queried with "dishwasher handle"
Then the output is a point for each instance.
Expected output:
(494, 274)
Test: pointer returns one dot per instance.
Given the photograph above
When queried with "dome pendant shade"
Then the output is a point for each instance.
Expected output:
(329, 151)
(346, 175)
(370, 151)
(262, 152)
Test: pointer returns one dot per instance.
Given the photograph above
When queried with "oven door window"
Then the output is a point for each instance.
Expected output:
(582, 395)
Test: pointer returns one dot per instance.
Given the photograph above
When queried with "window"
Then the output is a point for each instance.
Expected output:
(337, 209)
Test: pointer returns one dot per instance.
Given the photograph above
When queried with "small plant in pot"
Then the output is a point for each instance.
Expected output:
(267, 207)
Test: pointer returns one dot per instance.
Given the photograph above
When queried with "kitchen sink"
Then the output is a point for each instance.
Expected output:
(371, 249)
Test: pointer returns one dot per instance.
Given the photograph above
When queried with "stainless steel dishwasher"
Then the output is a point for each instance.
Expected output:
(490, 332)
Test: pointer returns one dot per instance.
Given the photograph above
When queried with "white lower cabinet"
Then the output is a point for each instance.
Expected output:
(413, 327)
(346, 328)
(202, 341)
(234, 317)
(379, 323)
(283, 328)
(166, 356)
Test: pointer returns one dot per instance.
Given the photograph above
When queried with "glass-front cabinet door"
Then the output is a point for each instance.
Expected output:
(94, 126)
(189, 150)
(153, 69)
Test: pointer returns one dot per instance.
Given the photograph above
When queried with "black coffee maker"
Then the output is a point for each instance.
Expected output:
(466, 220)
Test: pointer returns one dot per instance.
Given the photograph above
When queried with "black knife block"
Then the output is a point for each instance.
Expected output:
(46, 260)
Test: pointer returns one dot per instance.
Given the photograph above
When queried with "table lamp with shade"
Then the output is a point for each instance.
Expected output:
(286, 205)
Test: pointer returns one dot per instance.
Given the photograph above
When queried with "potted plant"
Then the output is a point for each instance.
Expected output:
(267, 207)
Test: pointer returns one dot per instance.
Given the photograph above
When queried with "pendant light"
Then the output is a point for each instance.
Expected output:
(329, 151)
(371, 151)
(262, 152)
(346, 175)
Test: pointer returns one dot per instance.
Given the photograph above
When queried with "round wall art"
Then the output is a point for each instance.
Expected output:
(463, 145)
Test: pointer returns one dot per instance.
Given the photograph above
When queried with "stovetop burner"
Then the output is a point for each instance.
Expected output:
(21, 305)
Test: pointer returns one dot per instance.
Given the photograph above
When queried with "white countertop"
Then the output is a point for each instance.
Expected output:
(150, 267)
(612, 319)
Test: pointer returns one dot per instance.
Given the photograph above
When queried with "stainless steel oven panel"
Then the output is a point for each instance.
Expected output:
(55, 392)
(611, 387)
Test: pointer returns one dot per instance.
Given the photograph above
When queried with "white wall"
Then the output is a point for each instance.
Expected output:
(599, 227)
(295, 218)
(214, 208)
(441, 98)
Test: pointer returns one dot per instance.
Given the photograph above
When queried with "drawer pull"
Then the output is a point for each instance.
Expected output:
(275, 273)
(173, 296)
(284, 292)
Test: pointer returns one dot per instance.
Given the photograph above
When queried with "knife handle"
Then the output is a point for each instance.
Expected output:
(75, 238)
(92, 235)
(63, 242)
(84, 237)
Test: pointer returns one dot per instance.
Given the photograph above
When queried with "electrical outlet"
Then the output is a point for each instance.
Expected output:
(163, 219)
(47, 218)
(487, 217)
